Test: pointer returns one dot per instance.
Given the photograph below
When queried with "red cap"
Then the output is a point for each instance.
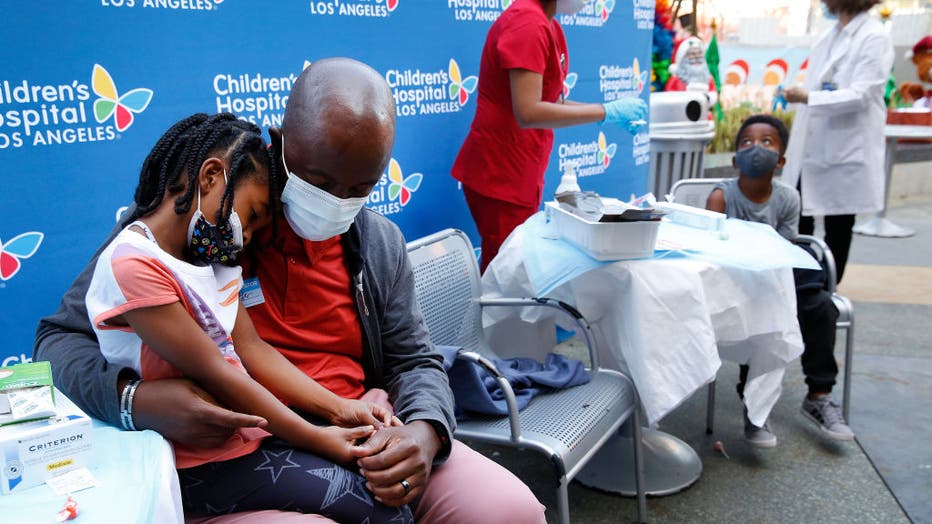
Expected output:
(778, 63)
(923, 46)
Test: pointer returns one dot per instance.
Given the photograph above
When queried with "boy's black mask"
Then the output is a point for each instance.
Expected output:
(756, 161)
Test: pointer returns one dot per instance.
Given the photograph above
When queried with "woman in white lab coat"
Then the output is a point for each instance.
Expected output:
(836, 150)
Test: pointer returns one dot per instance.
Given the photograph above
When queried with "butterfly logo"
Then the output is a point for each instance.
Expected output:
(569, 83)
(17, 248)
(639, 78)
(391, 4)
(606, 151)
(402, 186)
(505, 4)
(111, 103)
(461, 87)
(603, 8)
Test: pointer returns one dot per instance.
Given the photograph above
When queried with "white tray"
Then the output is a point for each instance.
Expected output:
(604, 240)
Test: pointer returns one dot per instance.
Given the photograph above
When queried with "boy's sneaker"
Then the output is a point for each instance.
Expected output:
(759, 437)
(826, 413)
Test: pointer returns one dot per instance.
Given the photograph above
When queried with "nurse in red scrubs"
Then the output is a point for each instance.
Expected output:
(502, 162)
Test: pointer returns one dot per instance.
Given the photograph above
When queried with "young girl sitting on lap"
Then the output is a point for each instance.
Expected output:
(164, 301)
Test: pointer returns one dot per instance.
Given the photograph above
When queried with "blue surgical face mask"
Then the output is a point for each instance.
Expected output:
(756, 161)
(214, 243)
(828, 15)
(313, 213)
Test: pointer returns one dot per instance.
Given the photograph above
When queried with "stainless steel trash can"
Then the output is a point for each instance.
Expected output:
(680, 130)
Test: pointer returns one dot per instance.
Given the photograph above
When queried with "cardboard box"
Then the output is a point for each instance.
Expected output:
(26, 393)
(691, 216)
(910, 117)
(31, 452)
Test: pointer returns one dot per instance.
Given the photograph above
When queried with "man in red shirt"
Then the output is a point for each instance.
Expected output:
(502, 162)
(332, 289)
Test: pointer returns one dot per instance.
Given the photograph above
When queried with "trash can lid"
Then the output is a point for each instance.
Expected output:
(681, 113)
(678, 106)
(704, 130)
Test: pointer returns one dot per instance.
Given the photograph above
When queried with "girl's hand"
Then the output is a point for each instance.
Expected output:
(340, 444)
(351, 413)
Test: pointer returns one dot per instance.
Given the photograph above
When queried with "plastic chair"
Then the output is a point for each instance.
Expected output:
(695, 192)
(568, 426)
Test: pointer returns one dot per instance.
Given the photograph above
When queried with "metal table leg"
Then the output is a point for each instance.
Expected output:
(670, 465)
(880, 226)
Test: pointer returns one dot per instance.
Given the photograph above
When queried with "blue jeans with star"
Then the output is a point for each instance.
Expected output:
(278, 476)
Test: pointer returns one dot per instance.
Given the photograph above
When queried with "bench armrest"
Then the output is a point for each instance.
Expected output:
(559, 305)
(488, 365)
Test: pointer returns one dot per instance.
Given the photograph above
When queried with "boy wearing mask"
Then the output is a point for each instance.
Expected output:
(755, 196)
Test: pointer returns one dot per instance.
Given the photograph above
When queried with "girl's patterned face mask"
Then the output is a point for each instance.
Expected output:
(210, 243)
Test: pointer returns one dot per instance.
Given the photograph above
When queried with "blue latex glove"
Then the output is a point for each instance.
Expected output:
(629, 113)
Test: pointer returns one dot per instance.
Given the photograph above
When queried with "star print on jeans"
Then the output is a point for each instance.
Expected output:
(275, 463)
(189, 482)
(400, 517)
(341, 483)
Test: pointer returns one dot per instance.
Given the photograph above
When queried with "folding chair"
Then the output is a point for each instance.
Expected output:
(694, 192)
(568, 426)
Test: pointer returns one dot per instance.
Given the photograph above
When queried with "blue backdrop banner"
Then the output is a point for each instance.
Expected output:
(88, 86)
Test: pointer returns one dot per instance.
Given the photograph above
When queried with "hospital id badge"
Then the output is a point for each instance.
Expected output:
(829, 86)
(251, 292)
